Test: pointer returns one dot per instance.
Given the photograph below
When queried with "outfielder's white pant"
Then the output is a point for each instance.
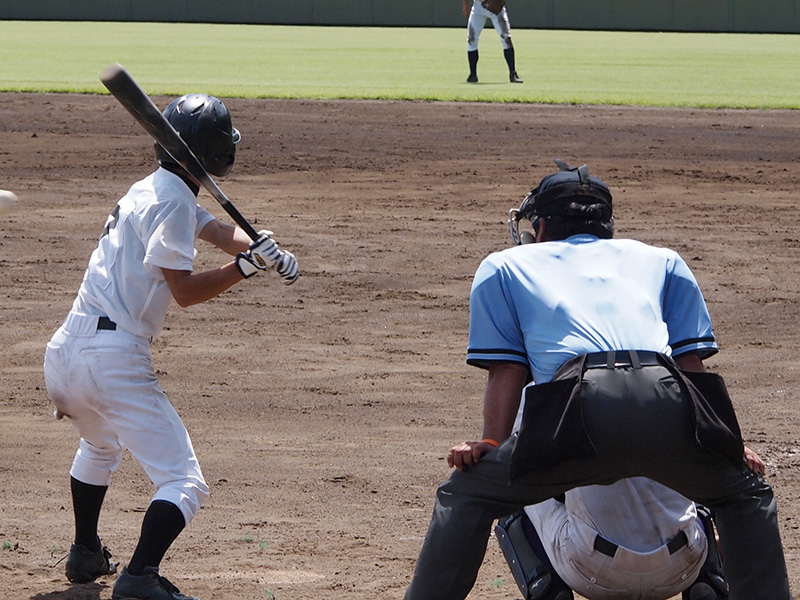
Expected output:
(477, 21)
(105, 383)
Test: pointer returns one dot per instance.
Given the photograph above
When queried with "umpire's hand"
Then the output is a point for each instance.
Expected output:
(754, 461)
(467, 453)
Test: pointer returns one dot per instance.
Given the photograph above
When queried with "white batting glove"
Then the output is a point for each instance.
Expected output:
(247, 265)
(286, 267)
(264, 251)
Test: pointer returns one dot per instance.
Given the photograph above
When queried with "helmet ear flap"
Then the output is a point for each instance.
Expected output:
(526, 237)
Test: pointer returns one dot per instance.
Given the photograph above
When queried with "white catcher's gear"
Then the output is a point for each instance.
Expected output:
(659, 545)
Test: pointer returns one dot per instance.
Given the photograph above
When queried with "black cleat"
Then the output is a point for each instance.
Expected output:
(84, 566)
(514, 78)
(472, 79)
(147, 586)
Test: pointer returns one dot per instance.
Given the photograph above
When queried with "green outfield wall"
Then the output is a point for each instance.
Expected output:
(743, 16)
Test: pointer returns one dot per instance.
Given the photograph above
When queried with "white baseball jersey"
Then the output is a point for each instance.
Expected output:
(102, 378)
(153, 226)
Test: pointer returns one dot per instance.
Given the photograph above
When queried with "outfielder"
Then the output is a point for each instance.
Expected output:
(496, 11)
(613, 333)
(98, 367)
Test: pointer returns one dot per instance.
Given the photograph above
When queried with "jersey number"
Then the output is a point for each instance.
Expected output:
(111, 222)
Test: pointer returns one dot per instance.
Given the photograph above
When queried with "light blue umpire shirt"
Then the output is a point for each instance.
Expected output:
(542, 304)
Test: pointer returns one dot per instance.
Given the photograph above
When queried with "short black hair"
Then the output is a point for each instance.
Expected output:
(558, 192)
(580, 218)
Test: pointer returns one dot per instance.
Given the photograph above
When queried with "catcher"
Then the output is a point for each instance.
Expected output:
(496, 11)
(632, 540)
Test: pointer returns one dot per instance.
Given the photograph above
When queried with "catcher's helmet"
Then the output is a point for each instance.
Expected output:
(554, 194)
(205, 125)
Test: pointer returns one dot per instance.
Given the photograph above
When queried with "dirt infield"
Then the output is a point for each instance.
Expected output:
(322, 412)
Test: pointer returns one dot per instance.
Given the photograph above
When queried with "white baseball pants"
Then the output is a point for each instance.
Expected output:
(105, 383)
(477, 21)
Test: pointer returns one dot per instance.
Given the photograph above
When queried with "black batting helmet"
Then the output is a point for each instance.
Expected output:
(205, 125)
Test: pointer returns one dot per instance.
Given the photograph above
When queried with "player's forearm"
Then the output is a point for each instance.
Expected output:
(189, 288)
(226, 237)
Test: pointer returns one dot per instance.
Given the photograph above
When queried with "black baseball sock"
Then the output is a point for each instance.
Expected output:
(472, 58)
(508, 54)
(162, 523)
(87, 500)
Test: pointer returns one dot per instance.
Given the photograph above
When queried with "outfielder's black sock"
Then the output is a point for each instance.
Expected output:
(162, 523)
(508, 54)
(87, 500)
(472, 58)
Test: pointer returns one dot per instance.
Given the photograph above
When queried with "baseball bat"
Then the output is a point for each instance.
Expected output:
(122, 86)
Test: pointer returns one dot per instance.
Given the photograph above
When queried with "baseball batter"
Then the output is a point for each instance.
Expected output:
(614, 333)
(98, 367)
(480, 12)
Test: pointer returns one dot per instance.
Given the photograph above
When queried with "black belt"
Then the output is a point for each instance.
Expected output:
(622, 358)
(603, 546)
(106, 323)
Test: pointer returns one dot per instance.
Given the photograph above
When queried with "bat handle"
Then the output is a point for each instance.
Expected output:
(245, 225)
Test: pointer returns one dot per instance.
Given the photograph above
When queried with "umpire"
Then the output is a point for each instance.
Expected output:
(613, 333)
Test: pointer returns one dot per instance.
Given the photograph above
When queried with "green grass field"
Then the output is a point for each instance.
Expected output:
(582, 67)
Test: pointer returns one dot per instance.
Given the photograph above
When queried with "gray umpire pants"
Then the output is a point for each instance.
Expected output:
(645, 432)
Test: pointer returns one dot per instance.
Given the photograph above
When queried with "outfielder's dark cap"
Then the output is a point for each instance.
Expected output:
(554, 194)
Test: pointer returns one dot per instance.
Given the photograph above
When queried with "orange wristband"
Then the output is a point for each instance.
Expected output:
(490, 441)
